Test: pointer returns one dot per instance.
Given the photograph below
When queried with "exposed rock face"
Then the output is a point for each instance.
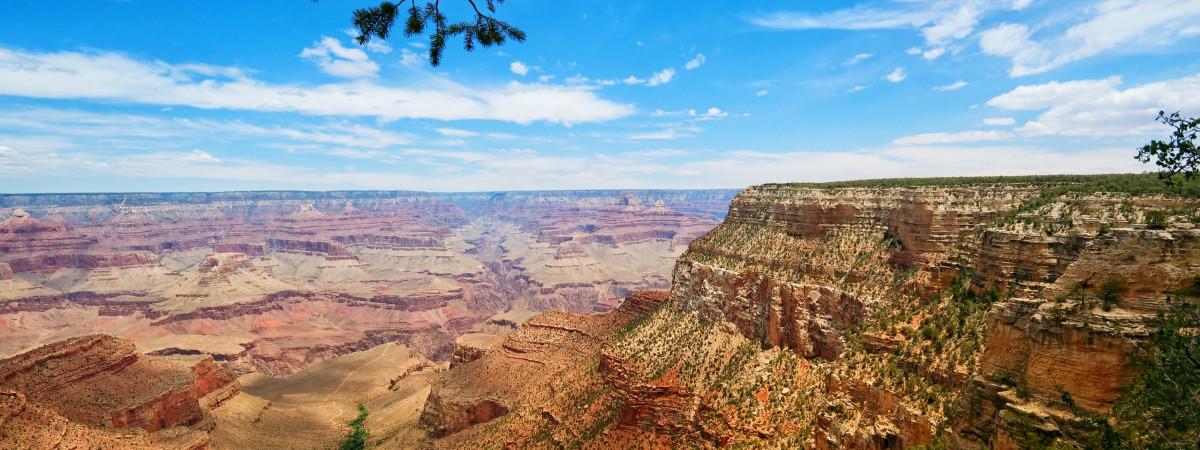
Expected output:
(1067, 341)
(924, 219)
(104, 382)
(885, 423)
(803, 316)
(543, 349)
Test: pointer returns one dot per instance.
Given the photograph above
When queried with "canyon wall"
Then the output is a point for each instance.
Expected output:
(863, 317)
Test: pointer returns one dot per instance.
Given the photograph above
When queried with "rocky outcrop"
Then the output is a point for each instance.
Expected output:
(924, 219)
(540, 351)
(103, 381)
(884, 422)
(805, 317)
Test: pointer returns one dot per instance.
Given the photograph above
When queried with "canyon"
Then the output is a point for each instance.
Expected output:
(949, 313)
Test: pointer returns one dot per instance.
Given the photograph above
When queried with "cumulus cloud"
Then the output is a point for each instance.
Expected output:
(761, 93)
(339, 61)
(695, 62)
(896, 76)
(951, 87)
(661, 77)
(1113, 24)
(633, 80)
(519, 68)
(1099, 108)
(7, 151)
(120, 78)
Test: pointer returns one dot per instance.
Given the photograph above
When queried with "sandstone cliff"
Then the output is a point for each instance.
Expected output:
(93, 390)
(866, 317)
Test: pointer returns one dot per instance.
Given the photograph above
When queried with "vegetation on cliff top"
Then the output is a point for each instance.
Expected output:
(1130, 183)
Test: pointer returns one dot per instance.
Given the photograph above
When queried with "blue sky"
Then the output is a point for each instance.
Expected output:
(163, 95)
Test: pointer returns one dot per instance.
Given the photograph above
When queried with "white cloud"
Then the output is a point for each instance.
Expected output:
(999, 121)
(201, 156)
(1113, 24)
(952, 86)
(333, 59)
(1012, 41)
(1099, 108)
(545, 78)
(933, 54)
(953, 138)
(857, 59)
(669, 133)
(715, 112)
(952, 26)
(454, 132)
(914, 51)
(119, 78)
(662, 77)
(695, 62)
(519, 68)
(1020, 4)
(577, 79)
(410, 58)
(858, 18)
(896, 76)
(941, 23)
(7, 151)
(856, 89)
(633, 80)
(761, 93)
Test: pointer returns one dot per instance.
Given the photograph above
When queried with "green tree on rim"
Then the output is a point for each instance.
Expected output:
(1177, 155)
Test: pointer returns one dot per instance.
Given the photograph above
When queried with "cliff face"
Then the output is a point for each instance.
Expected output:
(103, 382)
(866, 318)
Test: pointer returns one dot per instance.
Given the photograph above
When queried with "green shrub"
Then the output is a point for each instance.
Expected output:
(1156, 220)
(357, 439)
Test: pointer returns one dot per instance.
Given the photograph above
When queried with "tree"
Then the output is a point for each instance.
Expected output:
(485, 30)
(1177, 155)
(1161, 408)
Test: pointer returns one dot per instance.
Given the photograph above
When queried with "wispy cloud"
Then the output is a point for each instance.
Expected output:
(339, 61)
(857, 59)
(695, 62)
(896, 76)
(952, 138)
(116, 77)
(951, 87)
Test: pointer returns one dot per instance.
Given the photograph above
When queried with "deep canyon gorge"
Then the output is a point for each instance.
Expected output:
(878, 314)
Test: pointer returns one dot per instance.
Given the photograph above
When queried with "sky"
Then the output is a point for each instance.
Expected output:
(162, 95)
